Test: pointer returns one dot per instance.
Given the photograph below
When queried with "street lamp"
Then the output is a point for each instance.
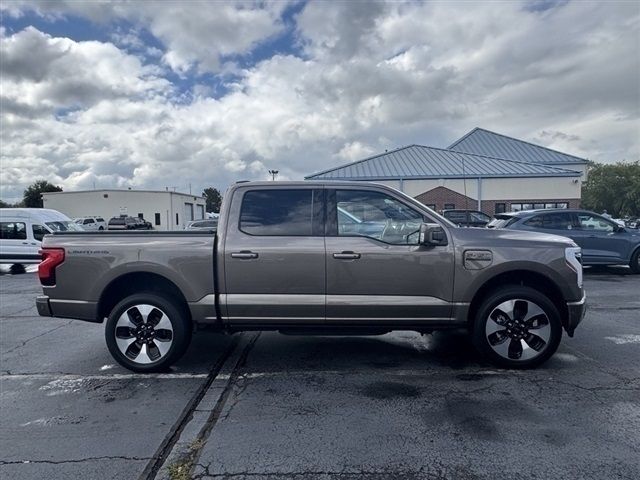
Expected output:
(273, 174)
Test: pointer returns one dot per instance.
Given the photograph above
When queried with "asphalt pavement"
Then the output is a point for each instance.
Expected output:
(287, 407)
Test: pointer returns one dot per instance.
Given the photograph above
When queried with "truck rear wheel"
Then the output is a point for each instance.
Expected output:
(147, 333)
(517, 327)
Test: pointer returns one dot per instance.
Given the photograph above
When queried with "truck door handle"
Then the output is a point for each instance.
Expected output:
(245, 255)
(346, 256)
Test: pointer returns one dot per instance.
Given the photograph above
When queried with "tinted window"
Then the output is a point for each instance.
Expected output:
(556, 221)
(277, 212)
(116, 221)
(535, 222)
(87, 221)
(99, 219)
(13, 231)
(39, 232)
(456, 216)
(376, 215)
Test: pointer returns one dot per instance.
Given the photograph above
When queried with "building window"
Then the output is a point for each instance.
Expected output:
(449, 206)
(432, 206)
(141, 215)
(157, 219)
(516, 207)
(106, 195)
(177, 220)
(501, 207)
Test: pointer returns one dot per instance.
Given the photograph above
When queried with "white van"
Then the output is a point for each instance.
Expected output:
(22, 229)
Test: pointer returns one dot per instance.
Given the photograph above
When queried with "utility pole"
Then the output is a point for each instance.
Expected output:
(273, 174)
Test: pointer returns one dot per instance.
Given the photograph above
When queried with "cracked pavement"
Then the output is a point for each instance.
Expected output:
(398, 406)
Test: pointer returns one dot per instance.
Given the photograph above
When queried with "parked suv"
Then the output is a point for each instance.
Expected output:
(603, 241)
(123, 223)
(91, 223)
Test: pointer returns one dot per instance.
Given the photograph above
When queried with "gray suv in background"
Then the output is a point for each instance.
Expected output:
(603, 241)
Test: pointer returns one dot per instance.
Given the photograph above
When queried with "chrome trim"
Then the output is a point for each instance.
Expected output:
(384, 300)
(579, 302)
(274, 299)
(75, 302)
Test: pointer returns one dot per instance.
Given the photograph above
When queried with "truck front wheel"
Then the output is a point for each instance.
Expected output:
(517, 327)
(147, 333)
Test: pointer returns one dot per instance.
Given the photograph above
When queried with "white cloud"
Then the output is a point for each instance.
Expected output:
(371, 77)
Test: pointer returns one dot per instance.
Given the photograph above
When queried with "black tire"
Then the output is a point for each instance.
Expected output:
(100, 228)
(545, 327)
(634, 264)
(148, 342)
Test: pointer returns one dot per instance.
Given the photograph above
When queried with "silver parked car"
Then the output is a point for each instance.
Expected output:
(603, 241)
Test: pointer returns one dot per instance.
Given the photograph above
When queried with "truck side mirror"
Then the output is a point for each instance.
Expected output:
(432, 234)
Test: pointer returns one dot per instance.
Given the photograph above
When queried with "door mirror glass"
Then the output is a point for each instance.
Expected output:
(432, 234)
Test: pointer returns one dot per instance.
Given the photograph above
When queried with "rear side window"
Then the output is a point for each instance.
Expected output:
(88, 221)
(277, 212)
(557, 221)
(116, 221)
(13, 231)
(99, 219)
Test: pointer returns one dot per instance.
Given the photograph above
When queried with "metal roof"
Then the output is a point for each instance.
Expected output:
(420, 162)
(484, 142)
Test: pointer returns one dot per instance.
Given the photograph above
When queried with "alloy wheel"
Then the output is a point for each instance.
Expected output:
(144, 334)
(518, 329)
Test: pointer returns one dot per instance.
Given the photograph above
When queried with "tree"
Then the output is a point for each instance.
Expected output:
(33, 193)
(213, 198)
(614, 188)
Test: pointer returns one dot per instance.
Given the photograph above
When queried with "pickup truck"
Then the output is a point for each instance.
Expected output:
(329, 258)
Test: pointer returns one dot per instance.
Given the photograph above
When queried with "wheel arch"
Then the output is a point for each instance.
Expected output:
(528, 278)
(138, 282)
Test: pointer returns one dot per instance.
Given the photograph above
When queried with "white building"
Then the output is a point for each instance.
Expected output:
(164, 209)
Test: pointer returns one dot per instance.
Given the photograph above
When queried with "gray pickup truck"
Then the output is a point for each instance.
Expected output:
(331, 258)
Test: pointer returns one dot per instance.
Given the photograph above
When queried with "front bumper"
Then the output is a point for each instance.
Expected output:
(575, 314)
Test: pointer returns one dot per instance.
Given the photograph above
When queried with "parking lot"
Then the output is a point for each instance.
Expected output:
(273, 406)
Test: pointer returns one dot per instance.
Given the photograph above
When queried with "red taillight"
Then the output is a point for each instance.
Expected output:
(51, 258)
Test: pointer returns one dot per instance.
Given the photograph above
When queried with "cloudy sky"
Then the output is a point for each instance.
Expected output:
(155, 94)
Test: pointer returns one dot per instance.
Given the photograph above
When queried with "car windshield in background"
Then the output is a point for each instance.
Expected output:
(64, 226)
(501, 221)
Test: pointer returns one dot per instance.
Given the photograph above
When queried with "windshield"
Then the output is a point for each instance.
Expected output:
(501, 221)
(64, 226)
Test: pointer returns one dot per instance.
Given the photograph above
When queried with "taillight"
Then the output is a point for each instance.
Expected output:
(51, 258)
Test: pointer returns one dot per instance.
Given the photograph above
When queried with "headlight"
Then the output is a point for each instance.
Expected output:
(573, 256)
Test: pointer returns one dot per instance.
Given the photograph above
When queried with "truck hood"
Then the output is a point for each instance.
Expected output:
(504, 237)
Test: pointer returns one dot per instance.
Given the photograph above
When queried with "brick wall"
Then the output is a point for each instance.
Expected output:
(440, 196)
